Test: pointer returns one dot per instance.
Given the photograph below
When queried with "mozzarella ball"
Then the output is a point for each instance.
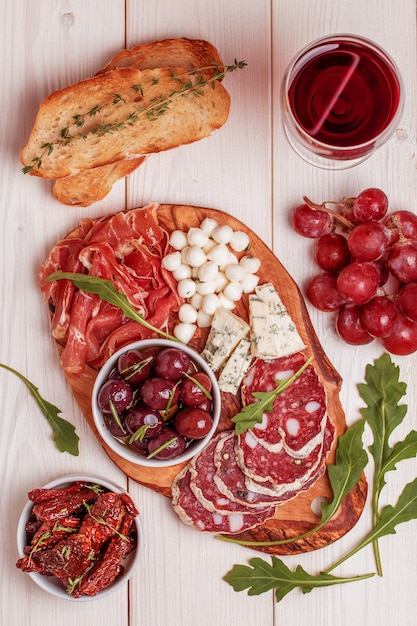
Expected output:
(187, 313)
(209, 245)
(182, 271)
(208, 271)
(249, 283)
(250, 263)
(226, 303)
(196, 300)
(222, 234)
(235, 272)
(219, 254)
(186, 288)
(178, 239)
(197, 237)
(184, 332)
(239, 241)
(195, 256)
(171, 261)
(210, 303)
(221, 281)
(233, 291)
(208, 225)
(206, 288)
(204, 320)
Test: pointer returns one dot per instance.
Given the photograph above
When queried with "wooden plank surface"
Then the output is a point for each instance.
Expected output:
(248, 170)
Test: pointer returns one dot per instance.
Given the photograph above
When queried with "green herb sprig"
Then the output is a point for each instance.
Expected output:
(193, 85)
(383, 414)
(64, 435)
(107, 291)
(252, 413)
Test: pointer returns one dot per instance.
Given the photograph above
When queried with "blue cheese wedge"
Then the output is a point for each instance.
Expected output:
(227, 329)
(273, 334)
(236, 367)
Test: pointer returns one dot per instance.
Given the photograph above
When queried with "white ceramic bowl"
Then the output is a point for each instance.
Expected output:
(51, 584)
(123, 450)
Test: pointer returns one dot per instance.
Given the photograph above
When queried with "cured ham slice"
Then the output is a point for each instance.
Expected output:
(126, 248)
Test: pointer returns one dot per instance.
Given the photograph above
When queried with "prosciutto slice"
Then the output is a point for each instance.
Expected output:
(126, 248)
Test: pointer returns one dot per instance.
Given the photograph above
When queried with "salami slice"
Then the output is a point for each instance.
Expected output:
(287, 474)
(231, 481)
(298, 417)
(202, 484)
(192, 512)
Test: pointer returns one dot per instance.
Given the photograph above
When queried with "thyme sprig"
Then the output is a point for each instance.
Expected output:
(189, 83)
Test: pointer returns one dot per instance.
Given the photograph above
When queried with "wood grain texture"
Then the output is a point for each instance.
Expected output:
(295, 516)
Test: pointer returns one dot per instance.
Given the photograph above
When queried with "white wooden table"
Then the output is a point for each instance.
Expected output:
(248, 170)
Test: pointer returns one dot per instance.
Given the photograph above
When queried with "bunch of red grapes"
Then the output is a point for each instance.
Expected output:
(368, 263)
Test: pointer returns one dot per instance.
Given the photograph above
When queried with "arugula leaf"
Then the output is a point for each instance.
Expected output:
(404, 511)
(259, 577)
(383, 413)
(382, 392)
(107, 291)
(252, 413)
(351, 460)
(64, 435)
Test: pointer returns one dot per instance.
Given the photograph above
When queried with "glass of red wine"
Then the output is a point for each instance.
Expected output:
(342, 98)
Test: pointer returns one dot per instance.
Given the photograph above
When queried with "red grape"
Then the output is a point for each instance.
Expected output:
(322, 292)
(193, 423)
(407, 300)
(402, 224)
(358, 282)
(350, 327)
(332, 252)
(368, 241)
(379, 316)
(370, 205)
(311, 223)
(402, 261)
(383, 271)
(403, 338)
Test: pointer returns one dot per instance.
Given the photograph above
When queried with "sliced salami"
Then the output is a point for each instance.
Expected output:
(202, 484)
(299, 412)
(287, 474)
(231, 481)
(192, 512)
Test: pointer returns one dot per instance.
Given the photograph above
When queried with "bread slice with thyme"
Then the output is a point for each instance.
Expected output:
(122, 113)
(180, 52)
(90, 185)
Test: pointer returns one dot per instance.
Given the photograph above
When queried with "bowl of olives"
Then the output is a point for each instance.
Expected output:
(156, 402)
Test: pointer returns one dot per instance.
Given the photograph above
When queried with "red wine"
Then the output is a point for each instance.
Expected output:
(343, 93)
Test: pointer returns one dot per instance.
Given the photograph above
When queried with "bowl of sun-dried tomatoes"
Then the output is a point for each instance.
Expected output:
(79, 537)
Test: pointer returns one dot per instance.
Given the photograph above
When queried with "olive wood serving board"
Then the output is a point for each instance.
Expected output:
(297, 515)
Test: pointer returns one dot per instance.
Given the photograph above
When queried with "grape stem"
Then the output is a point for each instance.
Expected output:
(323, 207)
